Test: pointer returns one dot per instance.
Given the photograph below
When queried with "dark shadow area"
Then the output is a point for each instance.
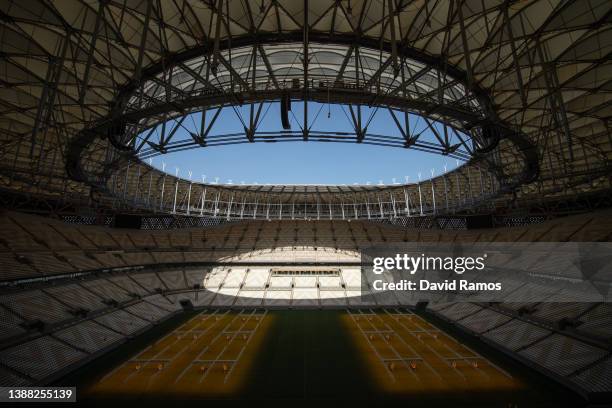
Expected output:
(309, 355)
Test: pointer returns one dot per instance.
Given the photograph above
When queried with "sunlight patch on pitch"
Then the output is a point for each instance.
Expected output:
(208, 356)
(407, 355)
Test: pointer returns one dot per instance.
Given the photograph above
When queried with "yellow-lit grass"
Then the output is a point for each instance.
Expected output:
(201, 338)
(427, 353)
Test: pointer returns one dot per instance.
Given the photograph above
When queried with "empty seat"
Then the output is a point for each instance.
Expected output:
(40, 358)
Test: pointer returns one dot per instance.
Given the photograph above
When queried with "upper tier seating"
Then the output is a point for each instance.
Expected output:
(33, 246)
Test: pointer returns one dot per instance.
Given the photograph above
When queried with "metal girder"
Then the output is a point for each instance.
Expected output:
(45, 107)
(349, 39)
(92, 47)
(185, 99)
(197, 76)
(233, 72)
(143, 41)
(556, 100)
(339, 95)
(262, 52)
(215, 61)
(489, 48)
(306, 62)
(200, 139)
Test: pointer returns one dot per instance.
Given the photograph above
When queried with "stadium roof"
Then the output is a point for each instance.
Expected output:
(540, 69)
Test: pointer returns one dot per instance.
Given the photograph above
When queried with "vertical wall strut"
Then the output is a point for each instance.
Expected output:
(420, 195)
(216, 208)
(189, 199)
(433, 192)
(407, 201)
(176, 184)
(163, 188)
(445, 190)
(203, 201)
(229, 207)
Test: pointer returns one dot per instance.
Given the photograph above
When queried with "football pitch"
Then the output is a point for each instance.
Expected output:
(359, 355)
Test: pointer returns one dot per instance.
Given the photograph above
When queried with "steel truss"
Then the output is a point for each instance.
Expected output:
(177, 108)
(260, 73)
(539, 69)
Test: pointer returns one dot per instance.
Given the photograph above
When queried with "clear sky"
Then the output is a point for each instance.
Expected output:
(305, 162)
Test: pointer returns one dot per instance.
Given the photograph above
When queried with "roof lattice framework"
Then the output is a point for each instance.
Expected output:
(543, 65)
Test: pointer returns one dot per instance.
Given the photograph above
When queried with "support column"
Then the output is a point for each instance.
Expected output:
(203, 201)
(176, 184)
(149, 191)
(216, 207)
(420, 195)
(189, 198)
(229, 207)
(407, 201)
(163, 188)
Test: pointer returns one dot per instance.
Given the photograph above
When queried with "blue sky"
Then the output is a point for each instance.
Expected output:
(304, 162)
